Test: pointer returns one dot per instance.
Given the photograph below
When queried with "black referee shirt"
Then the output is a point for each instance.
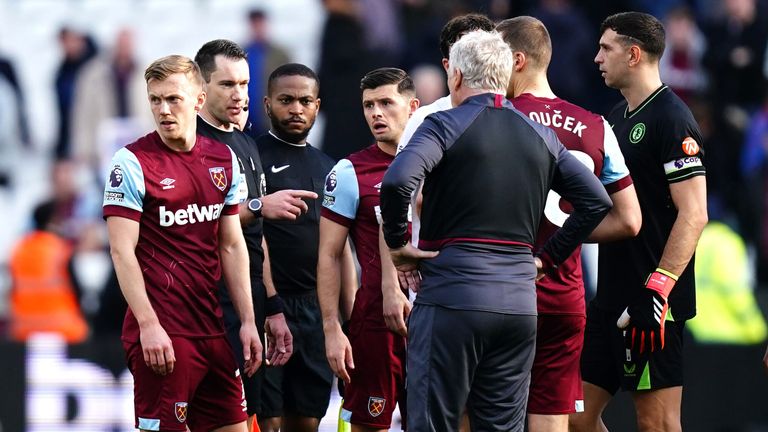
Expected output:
(293, 244)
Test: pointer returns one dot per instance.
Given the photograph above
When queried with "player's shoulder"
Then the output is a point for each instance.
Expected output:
(144, 144)
(213, 147)
(320, 156)
(442, 104)
(671, 107)
(580, 112)
(362, 156)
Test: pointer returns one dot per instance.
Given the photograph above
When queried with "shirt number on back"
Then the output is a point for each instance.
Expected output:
(552, 210)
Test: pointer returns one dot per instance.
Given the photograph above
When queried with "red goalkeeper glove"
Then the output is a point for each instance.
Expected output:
(643, 320)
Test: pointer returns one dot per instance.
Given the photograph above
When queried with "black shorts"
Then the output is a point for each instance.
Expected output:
(253, 384)
(301, 388)
(604, 356)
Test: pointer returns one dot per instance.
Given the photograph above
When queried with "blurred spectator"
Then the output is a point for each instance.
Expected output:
(681, 65)
(8, 72)
(430, 83)
(10, 134)
(263, 58)
(77, 202)
(754, 161)
(91, 267)
(421, 30)
(344, 60)
(109, 107)
(77, 49)
(734, 59)
(42, 295)
(572, 74)
(380, 20)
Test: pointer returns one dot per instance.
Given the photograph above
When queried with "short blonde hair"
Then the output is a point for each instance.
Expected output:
(164, 67)
(484, 60)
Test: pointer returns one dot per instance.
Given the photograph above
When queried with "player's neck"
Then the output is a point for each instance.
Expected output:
(387, 147)
(640, 88)
(181, 145)
(211, 120)
(287, 139)
(535, 84)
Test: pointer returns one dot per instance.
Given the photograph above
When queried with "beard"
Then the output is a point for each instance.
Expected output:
(280, 127)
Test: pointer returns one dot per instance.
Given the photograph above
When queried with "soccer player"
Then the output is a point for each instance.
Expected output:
(171, 208)
(488, 169)
(650, 277)
(226, 76)
(375, 376)
(300, 391)
(555, 389)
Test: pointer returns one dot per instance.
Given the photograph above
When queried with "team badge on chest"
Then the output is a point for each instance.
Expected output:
(181, 411)
(637, 133)
(376, 406)
(219, 177)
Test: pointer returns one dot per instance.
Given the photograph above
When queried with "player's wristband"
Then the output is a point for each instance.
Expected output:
(274, 305)
(661, 281)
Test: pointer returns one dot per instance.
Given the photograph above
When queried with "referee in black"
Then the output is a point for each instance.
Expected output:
(296, 396)
(487, 169)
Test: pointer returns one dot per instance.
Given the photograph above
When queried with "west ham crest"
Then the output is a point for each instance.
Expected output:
(181, 411)
(376, 406)
(219, 177)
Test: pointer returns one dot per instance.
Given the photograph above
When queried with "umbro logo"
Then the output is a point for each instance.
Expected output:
(278, 169)
(168, 183)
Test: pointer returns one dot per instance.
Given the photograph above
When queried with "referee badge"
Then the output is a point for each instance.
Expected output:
(637, 133)
(376, 406)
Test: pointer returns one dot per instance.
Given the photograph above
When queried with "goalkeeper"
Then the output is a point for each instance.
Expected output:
(646, 289)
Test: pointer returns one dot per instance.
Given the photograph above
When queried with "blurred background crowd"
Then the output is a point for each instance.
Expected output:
(72, 92)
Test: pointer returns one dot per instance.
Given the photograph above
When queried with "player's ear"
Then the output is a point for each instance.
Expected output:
(267, 107)
(457, 77)
(413, 104)
(635, 55)
(200, 101)
(520, 60)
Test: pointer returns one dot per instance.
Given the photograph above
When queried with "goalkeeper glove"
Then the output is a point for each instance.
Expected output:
(643, 320)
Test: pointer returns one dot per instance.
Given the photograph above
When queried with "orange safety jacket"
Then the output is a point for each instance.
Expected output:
(42, 296)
